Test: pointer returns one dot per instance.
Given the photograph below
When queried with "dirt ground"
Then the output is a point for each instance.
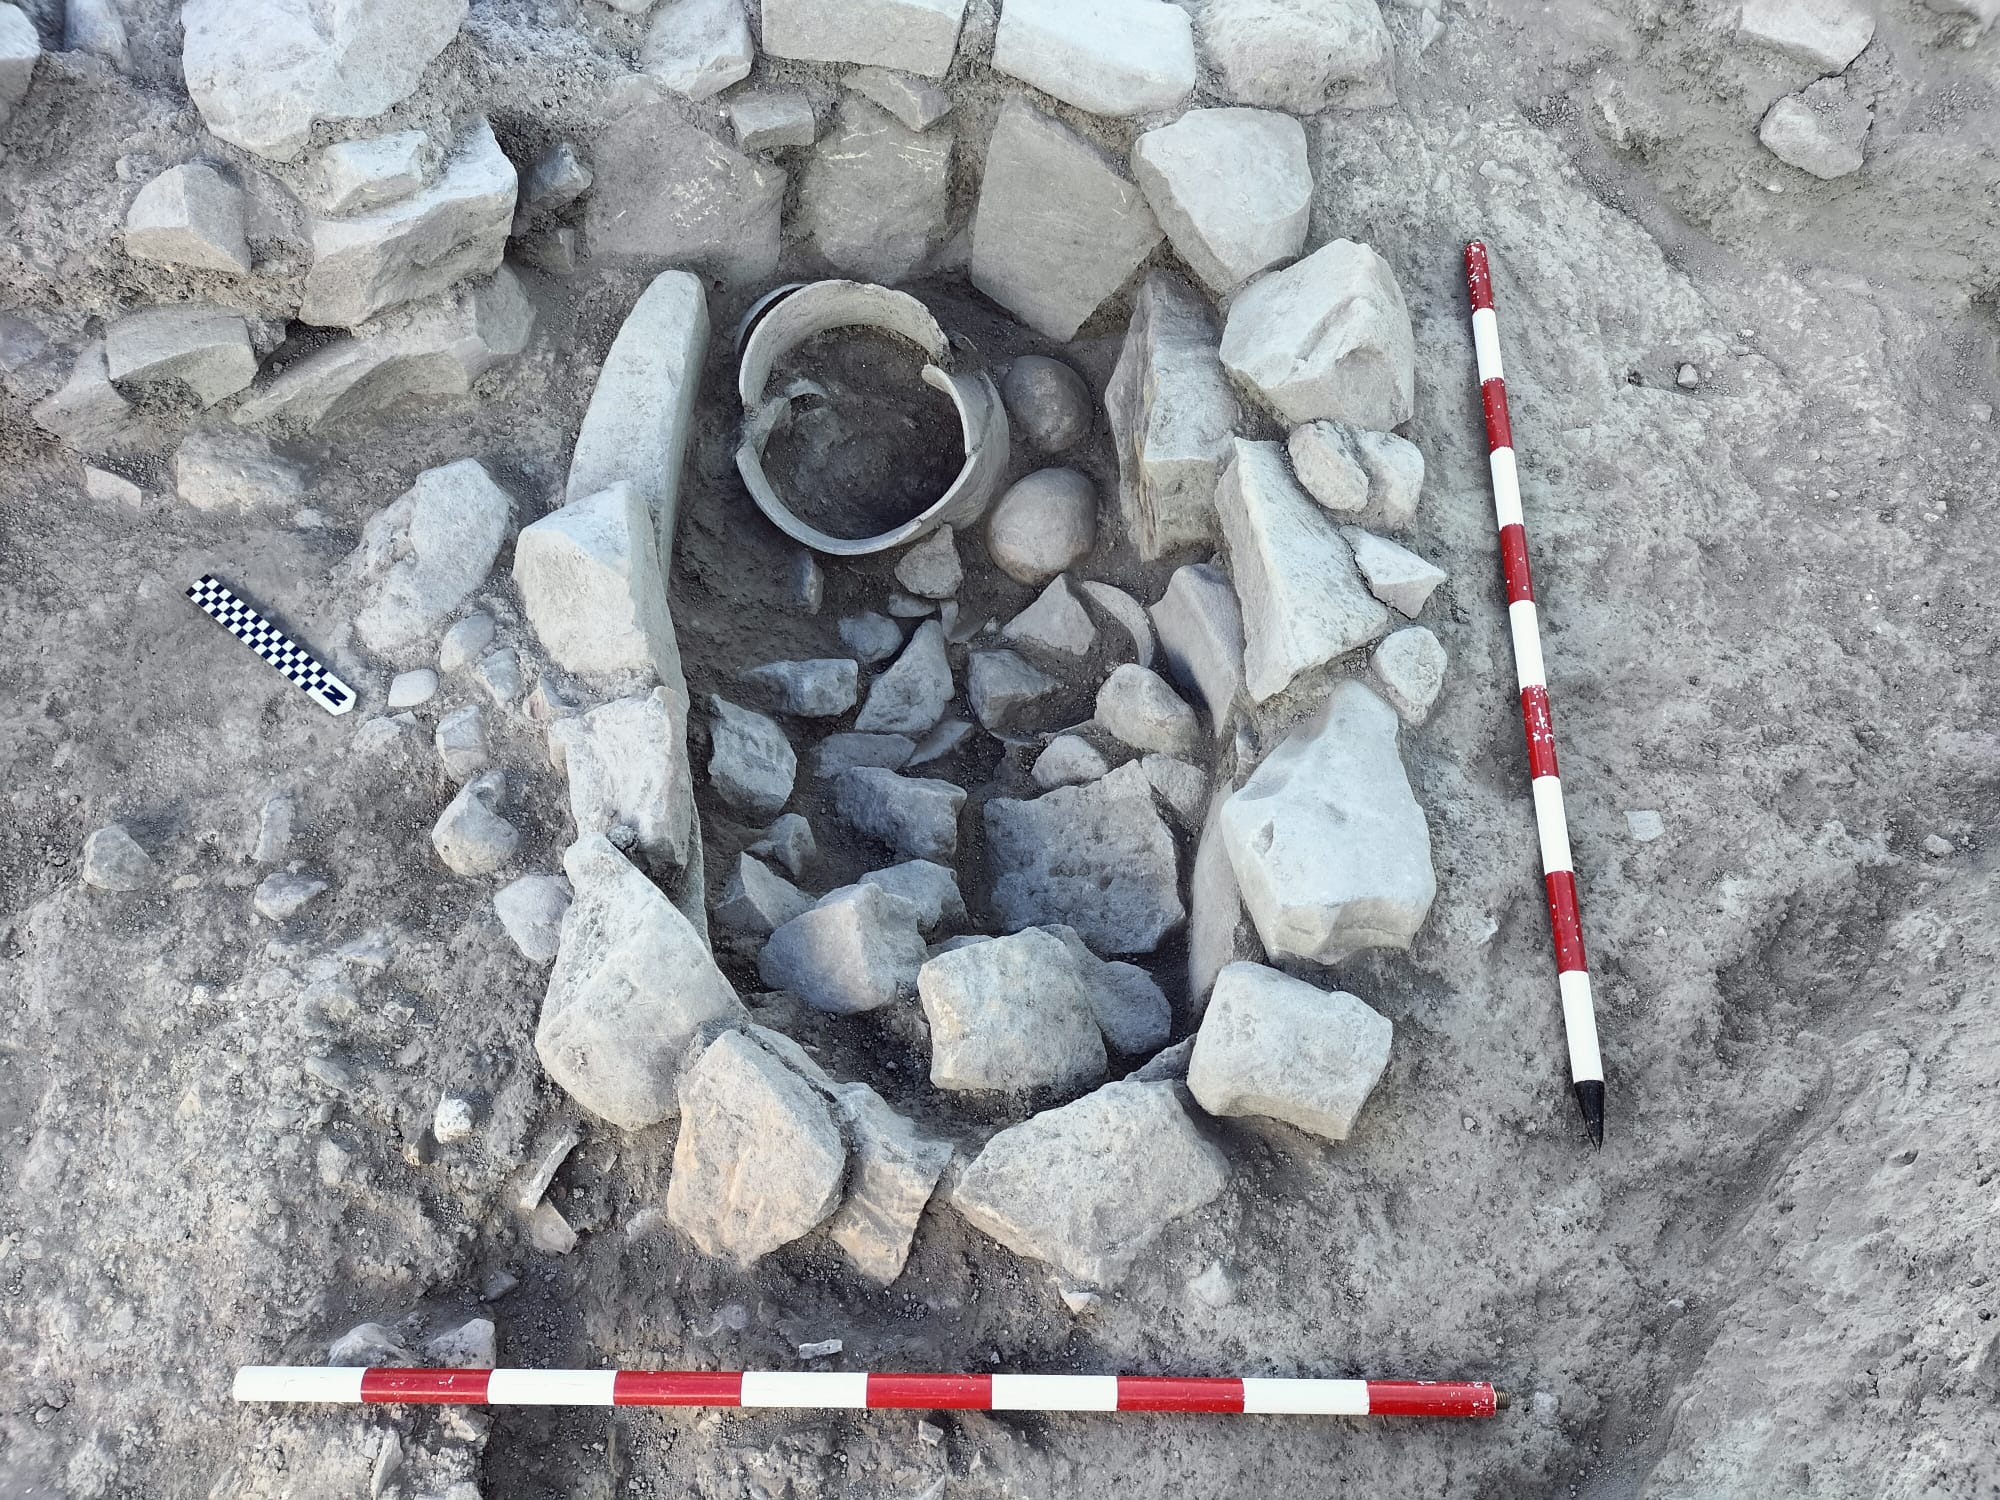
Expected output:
(1767, 606)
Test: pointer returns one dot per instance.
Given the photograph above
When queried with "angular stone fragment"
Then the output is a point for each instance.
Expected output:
(766, 121)
(591, 585)
(471, 837)
(461, 743)
(1137, 707)
(1055, 622)
(789, 840)
(1182, 785)
(96, 27)
(1410, 664)
(633, 984)
(206, 349)
(1010, 1014)
(1125, 612)
(875, 194)
(531, 910)
(931, 888)
(1220, 931)
(758, 1161)
(20, 50)
(750, 761)
(914, 816)
(635, 428)
(857, 949)
(89, 412)
(418, 352)
(113, 861)
(932, 568)
(1304, 605)
(466, 642)
(758, 900)
(1395, 478)
(1394, 574)
(1819, 130)
(1068, 760)
(1275, 1046)
(918, 104)
(423, 555)
(1098, 858)
(1201, 636)
(499, 672)
(892, 1171)
(1129, 1008)
(111, 488)
(263, 71)
(1327, 841)
(915, 36)
(1046, 522)
(1110, 57)
(667, 191)
(280, 897)
(1231, 188)
(940, 742)
(1171, 412)
(1058, 229)
(914, 693)
(698, 48)
(1087, 1188)
(190, 215)
(1002, 685)
(225, 472)
(1048, 401)
(627, 763)
(822, 688)
(1329, 467)
(355, 176)
(871, 637)
(1327, 337)
(1825, 34)
(423, 244)
(840, 752)
(1301, 56)
(557, 179)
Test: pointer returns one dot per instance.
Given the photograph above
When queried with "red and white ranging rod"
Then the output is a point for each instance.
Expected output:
(843, 1390)
(1586, 1064)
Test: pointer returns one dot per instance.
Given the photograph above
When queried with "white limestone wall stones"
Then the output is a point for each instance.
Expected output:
(421, 557)
(1110, 57)
(1231, 188)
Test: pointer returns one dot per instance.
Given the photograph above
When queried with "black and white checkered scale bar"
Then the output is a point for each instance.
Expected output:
(242, 620)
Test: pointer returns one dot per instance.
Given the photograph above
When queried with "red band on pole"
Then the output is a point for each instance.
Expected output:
(1565, 921)
(1429, 1398)
(1514, 562)
(1499, 430)
(425, 1387)
(931, 1392)
(677, 1388)
(1541, 732)
(1168, 1393)
(1478, 277)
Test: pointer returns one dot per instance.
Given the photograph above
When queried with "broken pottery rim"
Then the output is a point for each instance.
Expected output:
(784, 318)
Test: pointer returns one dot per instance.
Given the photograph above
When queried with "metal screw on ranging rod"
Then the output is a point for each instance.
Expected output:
(1586, 1065)
(240, 618)
(831, 1390)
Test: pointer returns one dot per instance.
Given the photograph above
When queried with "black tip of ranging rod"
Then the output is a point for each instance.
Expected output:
(1590, 1099)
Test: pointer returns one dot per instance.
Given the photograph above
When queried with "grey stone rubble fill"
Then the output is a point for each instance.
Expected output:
(871, 637)
(1329, 467)
(207, 349)
(421, 557)
(1303, 56)
(1068, 760)
(698, 48)
(1098, 858)
(1171, 411)
(1056, 623)
(751, 764)
(1329, 846)
(892, 1171)
(914, 816)
(1220, 931)
(1201, 638)
(1130, 1009)
(875, 194)
(758, 900)
(1048, 401)
(1112, 57)
(1275, 1046)
(913, 694)
(465, 642)
(190, 215)
(632, 986)
(1182, 785)
(1394, 574)
(418, 246)
(499, 672)
(113, 861)
(917, 103)
(856, 949)
(1327, 337)
(841, 752)
(355, 176)
(667, 191)
(1136, 706)
(946, 737)
(627, 763)
(1819, 130)
(914, 36)
(274, 828)
(758, 1161)
(1231, 188)
(931, 569)
(281, 896)
(1010, 1014)
(822, 688)
(531, 910)
(1410, 664)
(1304, 605)
(931, 888)
(1002, 686)
(591, 584)
(1089, 1187)
(789, 840)
(1058, 228)
(471, 836)
(1127, 613)
(1044, 523)
(766, 121)
(461, 745)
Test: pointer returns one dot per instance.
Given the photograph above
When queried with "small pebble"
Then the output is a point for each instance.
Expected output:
(1645, 826)
(453, 1121)
(1687, 378)
(410, 689)
(1936, 845)
(821, 1349)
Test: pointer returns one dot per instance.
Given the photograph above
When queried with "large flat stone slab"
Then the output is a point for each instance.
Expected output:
(1232, 189)
(666, 191)
(1110, 57)
(1011, 1013)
